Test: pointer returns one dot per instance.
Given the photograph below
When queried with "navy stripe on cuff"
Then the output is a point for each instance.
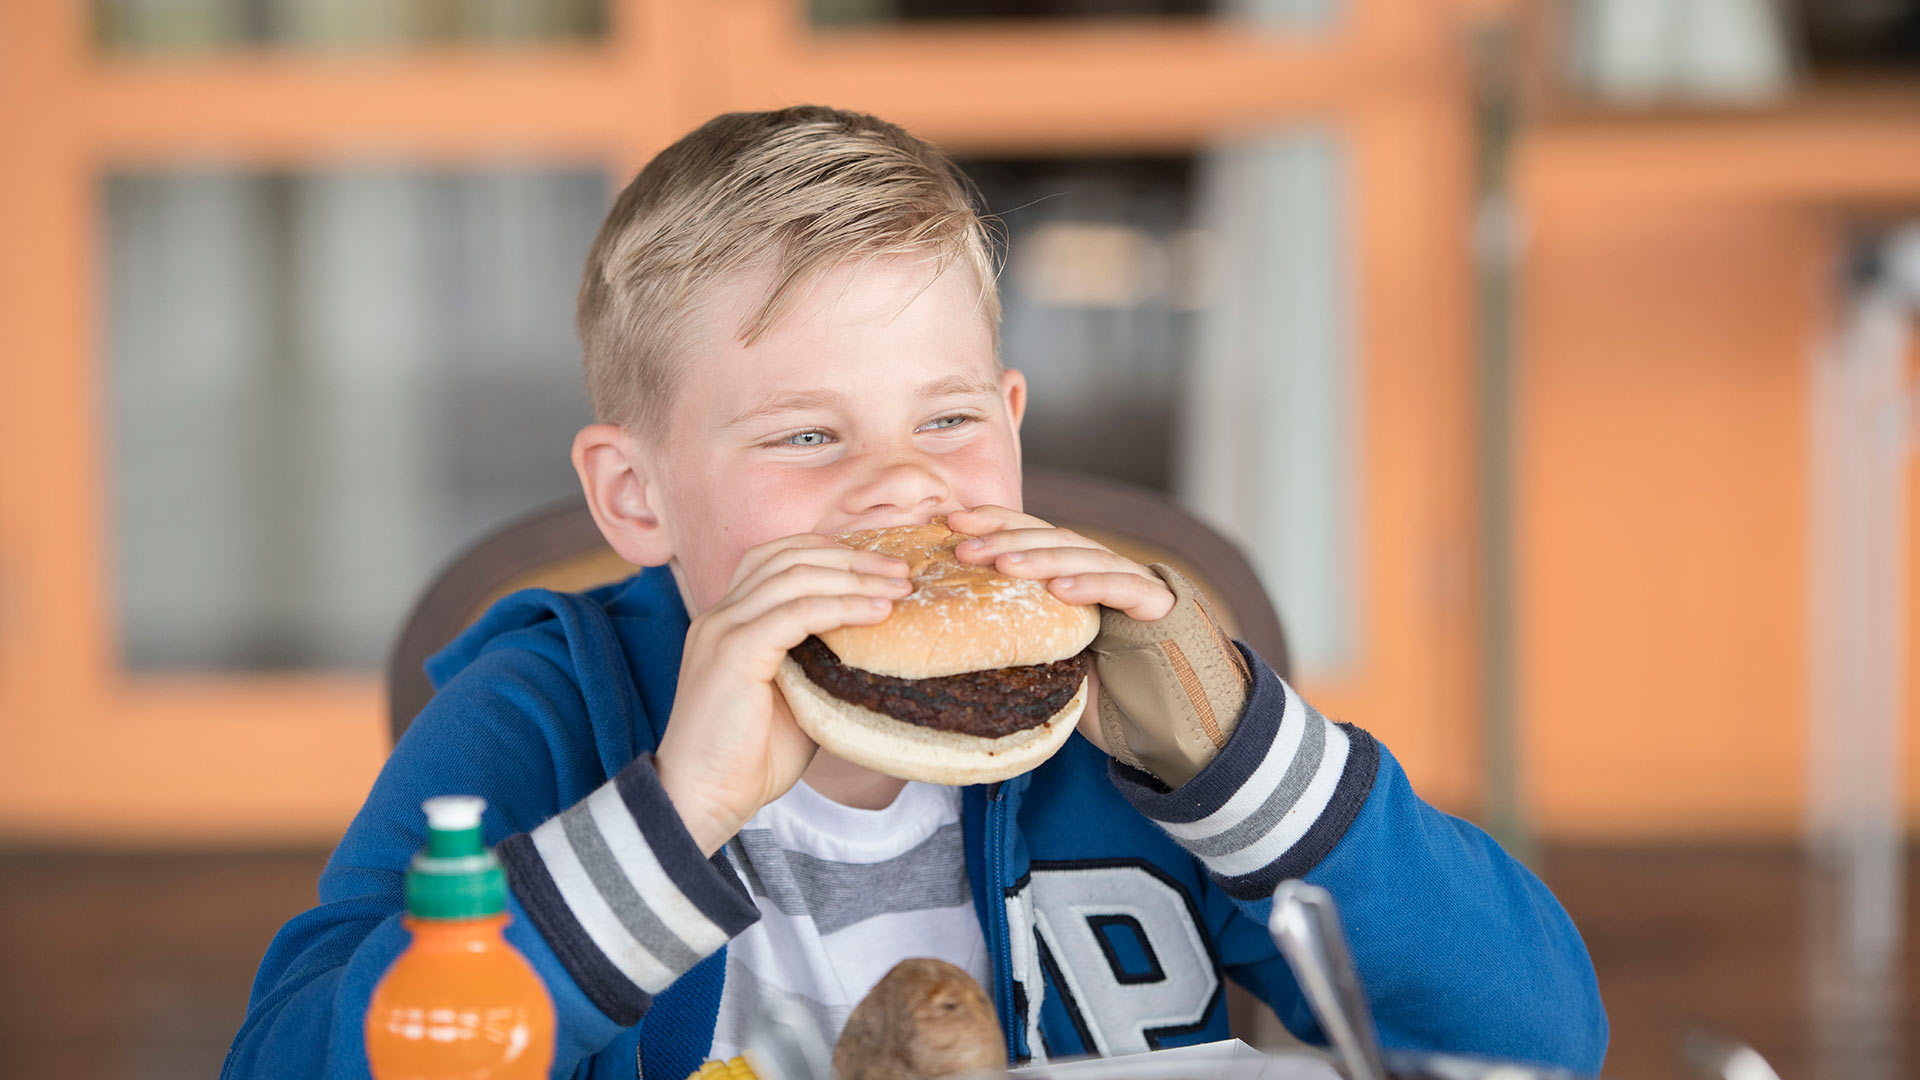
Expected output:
(611, 992)
(709, 883)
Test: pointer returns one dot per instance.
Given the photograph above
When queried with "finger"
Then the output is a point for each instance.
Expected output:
(804, 550)
(842, 560)
(808, 579)
(760, 643)
(758, 555)
(1141, 599)
(1051, 562)
(987, 517)
(984, 548)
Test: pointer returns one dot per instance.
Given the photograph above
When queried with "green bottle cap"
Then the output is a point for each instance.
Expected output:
(455, 876)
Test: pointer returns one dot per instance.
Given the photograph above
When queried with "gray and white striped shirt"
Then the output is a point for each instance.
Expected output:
(844, 894)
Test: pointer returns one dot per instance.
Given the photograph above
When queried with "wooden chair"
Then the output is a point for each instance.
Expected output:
(559, 547)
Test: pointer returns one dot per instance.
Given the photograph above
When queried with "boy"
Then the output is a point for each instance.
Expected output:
(790, 331)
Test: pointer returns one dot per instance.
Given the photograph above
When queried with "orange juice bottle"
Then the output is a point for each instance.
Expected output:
(459, 1001)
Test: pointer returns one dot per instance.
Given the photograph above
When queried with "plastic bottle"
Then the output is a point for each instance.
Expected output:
(460, 1001)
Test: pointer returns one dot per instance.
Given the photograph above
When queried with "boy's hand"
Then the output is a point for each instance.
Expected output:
(1175, 686)
(732, 745)
(1079, 570)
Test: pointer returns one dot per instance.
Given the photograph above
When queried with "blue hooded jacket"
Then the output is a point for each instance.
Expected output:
(1113, 908)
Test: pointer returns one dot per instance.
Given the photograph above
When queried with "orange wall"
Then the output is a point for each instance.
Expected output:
(1663, 504)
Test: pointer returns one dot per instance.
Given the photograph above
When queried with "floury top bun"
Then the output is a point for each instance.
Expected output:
(973, 677)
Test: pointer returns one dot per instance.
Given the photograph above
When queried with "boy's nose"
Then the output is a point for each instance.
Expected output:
(904, 485)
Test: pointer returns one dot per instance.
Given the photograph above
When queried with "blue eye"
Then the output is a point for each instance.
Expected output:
(945, 423)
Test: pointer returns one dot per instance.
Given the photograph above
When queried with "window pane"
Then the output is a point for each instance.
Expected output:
(166, 26)
(1648, 52)
(322, 386)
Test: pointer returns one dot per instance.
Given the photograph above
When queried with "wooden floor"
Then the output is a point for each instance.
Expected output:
(138, 966)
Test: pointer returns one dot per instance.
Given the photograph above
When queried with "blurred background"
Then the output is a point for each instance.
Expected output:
(1553, 361)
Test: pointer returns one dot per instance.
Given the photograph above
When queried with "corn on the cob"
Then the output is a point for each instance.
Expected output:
(734, 1068)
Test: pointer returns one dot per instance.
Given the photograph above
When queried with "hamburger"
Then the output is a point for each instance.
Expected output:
(974, 676)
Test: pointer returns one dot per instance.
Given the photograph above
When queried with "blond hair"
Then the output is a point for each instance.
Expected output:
(801, 190)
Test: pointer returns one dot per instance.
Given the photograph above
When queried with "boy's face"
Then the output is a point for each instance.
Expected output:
(873, 402)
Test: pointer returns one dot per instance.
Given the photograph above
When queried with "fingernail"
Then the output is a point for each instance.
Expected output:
(1016, 556)
(973, 544)
(1064, 582)
(880, 601)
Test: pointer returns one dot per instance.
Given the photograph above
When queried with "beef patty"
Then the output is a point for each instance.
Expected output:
(990, 703)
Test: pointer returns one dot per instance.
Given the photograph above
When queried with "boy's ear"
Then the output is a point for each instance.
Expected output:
(619, 480)
(1013, 395)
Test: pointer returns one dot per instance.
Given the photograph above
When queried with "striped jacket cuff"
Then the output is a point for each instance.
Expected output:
(1276, 799)
(620, 890)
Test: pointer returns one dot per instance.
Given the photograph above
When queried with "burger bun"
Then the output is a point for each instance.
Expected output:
(912, 752)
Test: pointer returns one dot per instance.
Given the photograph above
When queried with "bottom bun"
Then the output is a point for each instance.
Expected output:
(911, 752)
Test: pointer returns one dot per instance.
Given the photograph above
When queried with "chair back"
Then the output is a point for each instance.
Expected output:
(560, 547)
